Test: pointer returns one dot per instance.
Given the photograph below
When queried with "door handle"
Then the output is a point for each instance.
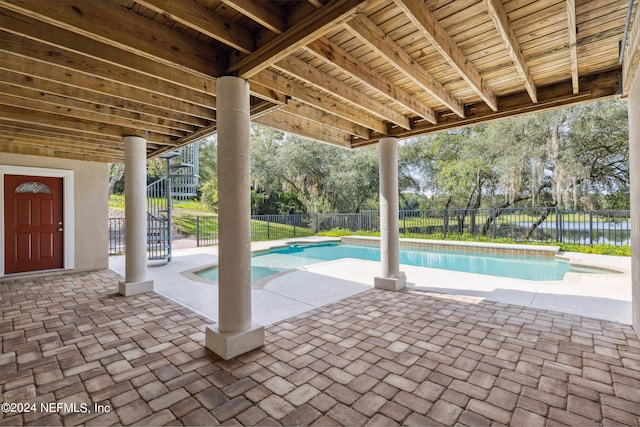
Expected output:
(60, 229)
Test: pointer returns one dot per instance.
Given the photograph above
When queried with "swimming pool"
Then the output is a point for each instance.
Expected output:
(280, 259)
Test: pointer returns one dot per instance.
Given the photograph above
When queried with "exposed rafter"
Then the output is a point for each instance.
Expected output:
(48, 71)
(26, 98)
(300, 92)
(346, 93)
(68, 137)
(305, 128)
(303, 32)
(302, 110)
(37, 148)
(107, 103)
(356, 68)
(501, 21)
(264, 13)
(61, 38)
(377, 40)
(429, 26)
(62, 140)
(96, 19)
(573, 48)
(18, 49)
(56, 121)
(203, 19)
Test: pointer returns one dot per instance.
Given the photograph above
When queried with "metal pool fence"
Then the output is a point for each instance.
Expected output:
(551, 225)
(116, 236)
(536, 224)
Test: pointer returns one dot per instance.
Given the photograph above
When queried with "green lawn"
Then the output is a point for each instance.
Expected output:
(260, 230)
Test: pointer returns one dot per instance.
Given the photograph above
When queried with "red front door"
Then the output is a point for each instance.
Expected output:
(33, 223)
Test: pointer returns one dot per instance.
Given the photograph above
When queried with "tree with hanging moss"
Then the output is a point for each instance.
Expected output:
(575, 158)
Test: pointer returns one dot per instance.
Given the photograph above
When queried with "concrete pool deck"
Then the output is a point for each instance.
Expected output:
(601, 296)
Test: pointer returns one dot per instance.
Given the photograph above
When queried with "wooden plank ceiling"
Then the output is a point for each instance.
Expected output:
(78, 75)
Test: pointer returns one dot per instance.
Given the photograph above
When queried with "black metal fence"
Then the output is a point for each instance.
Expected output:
(157, 237)
(536, 224)
(521, 224)
(116, 236)
(206, 230)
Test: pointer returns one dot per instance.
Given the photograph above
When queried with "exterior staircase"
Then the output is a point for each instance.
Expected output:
(180, 184)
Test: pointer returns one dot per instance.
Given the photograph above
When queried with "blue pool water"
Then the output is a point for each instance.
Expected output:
(276, 260)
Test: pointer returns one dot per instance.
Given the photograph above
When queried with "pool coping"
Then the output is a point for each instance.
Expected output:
(573, 258)
(502, 248)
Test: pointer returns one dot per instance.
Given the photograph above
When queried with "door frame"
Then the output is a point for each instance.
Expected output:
(68, 213)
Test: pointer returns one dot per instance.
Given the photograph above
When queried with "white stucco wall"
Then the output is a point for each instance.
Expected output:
(90, 242)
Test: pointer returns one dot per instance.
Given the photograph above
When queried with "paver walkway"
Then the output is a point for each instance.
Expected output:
(379, 358)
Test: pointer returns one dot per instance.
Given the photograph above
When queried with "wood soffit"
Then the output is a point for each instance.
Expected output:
(78, 75)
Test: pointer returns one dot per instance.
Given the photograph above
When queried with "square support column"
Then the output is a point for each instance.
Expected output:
(235, 333)
(135, 212)
(392, 278)
(634, 173)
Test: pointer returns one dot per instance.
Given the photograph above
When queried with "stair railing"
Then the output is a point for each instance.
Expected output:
(158, 224)
(181, 183)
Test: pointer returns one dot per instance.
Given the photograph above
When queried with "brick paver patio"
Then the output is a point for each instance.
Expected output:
(377, 358)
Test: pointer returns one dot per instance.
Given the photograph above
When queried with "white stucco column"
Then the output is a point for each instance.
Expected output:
(392, 278)
(634, 173)
(135, 212)
(235, 333)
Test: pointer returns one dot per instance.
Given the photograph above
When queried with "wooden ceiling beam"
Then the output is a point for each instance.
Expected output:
(204, 20)
(116, 26)
(337, 56)
(56, 121)
(52, 138)
(25, 98)
(306, 72)
(435, 33)
(266, 94)
(303, 32)
(573, 48)
(76, 135)
(305, 128)
(44, 53)
(54, 142)
(369, 34)
(97, 102)
(30, 67)
(13, 148)
(31, 28)
(261, 107)
(302, 110)
(264, 13)
(501, 21)
(300, 92)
